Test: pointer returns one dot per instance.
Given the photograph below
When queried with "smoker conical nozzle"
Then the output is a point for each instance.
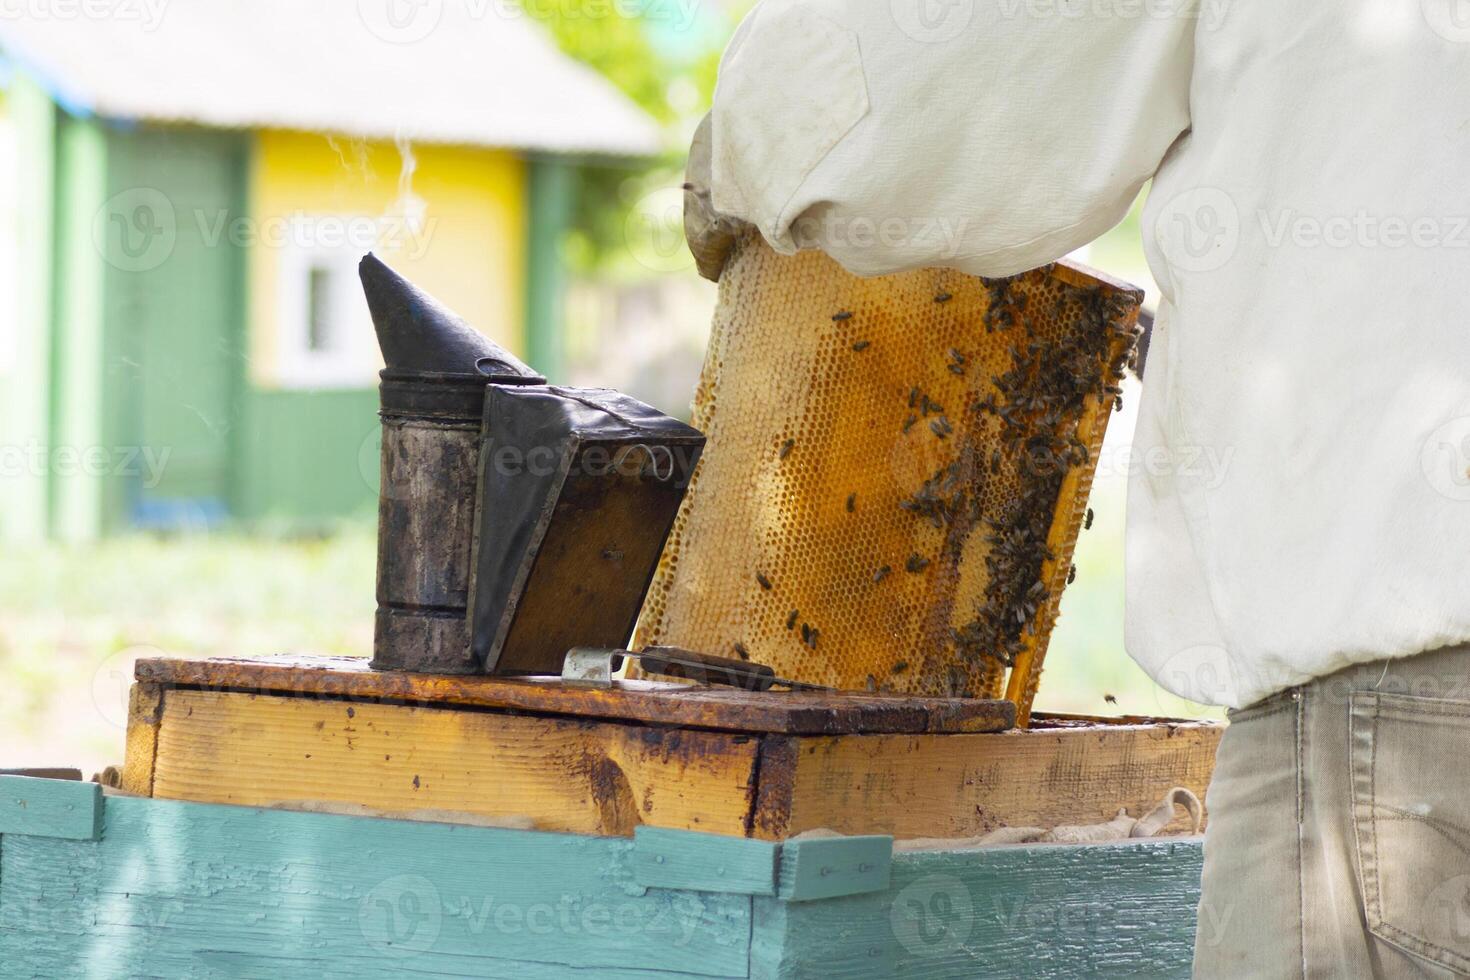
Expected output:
(422, 338)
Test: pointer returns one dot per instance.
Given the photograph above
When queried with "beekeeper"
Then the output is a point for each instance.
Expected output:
(1309, 229)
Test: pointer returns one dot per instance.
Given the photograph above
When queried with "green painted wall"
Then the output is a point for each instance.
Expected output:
(77, 402)
(24, 401)
(551, 188)
(147, 362)
(173, 356)
(308, 457)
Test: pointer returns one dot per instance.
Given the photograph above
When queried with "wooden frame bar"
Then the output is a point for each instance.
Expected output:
(617, 768)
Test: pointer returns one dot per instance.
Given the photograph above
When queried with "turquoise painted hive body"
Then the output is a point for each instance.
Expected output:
(119, 886)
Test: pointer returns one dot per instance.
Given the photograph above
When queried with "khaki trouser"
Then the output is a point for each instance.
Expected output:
(1338, 842)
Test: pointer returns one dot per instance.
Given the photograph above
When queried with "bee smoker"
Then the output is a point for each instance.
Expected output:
(579, 488)
(432, 396)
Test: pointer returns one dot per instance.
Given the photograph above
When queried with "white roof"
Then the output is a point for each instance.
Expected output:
(478, 72)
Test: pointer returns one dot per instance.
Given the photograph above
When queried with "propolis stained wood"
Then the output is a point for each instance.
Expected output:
(895, 473)
(606, 762)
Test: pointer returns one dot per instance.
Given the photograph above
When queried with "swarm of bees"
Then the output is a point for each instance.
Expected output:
(1036, 403)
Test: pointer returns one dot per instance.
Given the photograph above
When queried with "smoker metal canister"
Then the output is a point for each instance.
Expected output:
(432, 396)
(579, 488)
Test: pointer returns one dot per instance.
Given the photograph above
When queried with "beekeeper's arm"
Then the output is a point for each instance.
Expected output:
(991, 136)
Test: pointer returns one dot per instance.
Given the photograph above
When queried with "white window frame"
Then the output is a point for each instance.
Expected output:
(352, 359)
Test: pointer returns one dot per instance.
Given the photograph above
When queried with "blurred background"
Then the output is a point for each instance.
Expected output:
(188, 431)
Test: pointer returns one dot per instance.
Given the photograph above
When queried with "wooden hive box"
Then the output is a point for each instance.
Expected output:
(96, 886)
(330, 733)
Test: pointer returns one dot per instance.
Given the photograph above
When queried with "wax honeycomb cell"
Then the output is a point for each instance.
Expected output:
(895, 473)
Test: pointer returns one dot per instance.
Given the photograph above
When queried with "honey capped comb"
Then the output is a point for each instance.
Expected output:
(895, 474)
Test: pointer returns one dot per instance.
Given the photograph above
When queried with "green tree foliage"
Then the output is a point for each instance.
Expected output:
(668, 72)
(594, 32)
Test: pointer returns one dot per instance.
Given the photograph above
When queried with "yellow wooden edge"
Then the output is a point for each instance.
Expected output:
(960, 786)
(559, 774)
(608, 778)
(145, 708)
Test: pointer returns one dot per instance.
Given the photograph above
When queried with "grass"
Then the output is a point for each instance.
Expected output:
(73, 619)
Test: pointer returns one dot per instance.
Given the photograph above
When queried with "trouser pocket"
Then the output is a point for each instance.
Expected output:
(1411, 815)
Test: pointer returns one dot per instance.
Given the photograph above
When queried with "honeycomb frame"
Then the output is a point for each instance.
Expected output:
(844, 524)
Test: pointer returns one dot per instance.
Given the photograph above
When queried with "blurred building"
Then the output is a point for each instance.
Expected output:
(185, 190)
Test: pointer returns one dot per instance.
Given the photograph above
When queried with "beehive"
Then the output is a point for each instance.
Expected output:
(896, 472)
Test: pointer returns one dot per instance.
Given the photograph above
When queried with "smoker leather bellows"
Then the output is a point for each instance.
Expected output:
(896, 472)
(432, 397)
(579, 488)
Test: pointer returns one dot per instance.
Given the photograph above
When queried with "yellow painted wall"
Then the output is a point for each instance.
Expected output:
(468, 250)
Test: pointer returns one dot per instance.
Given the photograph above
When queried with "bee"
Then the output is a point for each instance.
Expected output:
(1087, 521)
(995, 461)
(916, 564)
(943, 298)
(956, 369)
(791, 619)
(913, 397)
(956, 356)
(881, 574)
(1071, 574)
(1118, 403)
(841, 315)
(1110, 699)
(908, 423)
(899, 667)
(937, 429)
(741, 652)
(765, 583)
(786, 448)
(862, 345)
(851, 502)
